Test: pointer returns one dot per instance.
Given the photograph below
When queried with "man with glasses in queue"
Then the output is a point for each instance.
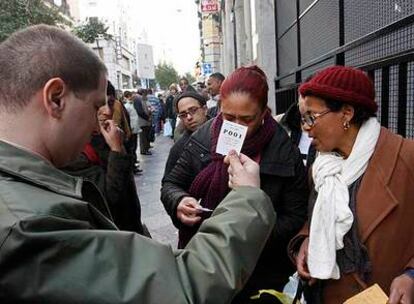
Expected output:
(192, 110)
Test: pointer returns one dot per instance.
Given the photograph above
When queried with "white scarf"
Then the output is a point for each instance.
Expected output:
(332, 217)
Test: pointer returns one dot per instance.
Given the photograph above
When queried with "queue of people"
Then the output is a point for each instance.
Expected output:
(328, 194)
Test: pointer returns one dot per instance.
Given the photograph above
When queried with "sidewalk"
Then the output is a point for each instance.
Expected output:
(149, 185)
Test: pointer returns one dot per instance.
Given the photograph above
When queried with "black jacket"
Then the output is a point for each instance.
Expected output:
(170, 107)
(176, 151)
(283, 178)
(292, 124)
(139, 108)
(117, 185)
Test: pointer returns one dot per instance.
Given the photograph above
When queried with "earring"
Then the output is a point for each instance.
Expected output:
(346, 125)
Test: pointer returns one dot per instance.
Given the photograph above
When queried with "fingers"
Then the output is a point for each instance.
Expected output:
(244, 158)
(401, 290)
(187, 211)
(395, 297)
(190, 221)
(301, 261)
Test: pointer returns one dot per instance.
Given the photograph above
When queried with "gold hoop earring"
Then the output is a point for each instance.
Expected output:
(346, 125)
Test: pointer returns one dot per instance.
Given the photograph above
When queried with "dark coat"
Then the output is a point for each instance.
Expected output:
(116, 183)
(140, 109)
(291, 122)
(283, 178)
(176, 151)
(170, 107)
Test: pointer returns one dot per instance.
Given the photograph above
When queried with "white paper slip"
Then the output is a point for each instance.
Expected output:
(231, 137)
(204, 209)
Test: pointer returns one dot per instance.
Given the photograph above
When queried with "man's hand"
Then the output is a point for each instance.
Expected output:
(113, 135)
(187, 211)
(243, 171)
(402, 290)
(302, 262)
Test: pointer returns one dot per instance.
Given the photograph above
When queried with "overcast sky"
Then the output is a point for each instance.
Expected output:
(171, 26)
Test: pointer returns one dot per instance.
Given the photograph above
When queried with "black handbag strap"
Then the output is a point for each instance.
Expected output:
(299, 291)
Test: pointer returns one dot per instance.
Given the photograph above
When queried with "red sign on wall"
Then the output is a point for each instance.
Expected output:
(209, 6)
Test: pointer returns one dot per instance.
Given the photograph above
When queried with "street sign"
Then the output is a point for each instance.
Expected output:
(207, 68)
(209, 6)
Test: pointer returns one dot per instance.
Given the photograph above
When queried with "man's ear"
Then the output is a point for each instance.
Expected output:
(53, 92)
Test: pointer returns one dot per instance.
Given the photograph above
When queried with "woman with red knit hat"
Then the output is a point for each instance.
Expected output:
(201, 174)
(360, 230)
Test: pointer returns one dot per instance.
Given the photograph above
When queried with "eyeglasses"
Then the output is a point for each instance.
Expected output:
(310, 119)
(191, 112)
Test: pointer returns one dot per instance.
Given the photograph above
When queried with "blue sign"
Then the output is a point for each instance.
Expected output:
(207, 68)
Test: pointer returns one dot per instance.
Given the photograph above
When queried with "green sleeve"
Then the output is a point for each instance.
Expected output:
(47, 259)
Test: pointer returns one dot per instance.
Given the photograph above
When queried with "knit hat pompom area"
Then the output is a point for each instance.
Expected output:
(346, 84)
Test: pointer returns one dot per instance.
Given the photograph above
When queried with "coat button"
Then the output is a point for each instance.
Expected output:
(202, 155)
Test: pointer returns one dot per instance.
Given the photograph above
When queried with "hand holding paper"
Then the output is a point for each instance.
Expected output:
(242, 170)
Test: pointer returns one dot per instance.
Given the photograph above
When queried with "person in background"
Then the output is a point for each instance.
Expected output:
(156, 113)
(104, 161)
(163, 110)
(132, 143)
(192, 111)
(170, 107)
(360, 230)
(185, 86)
(199, 174)
(213, 85)
(144, 120)
(58, 243)
(119, 115)
(292, 123)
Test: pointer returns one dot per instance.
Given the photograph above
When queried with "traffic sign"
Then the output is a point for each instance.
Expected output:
(207, 68)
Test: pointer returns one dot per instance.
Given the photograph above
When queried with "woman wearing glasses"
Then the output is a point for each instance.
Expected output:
(360, 230)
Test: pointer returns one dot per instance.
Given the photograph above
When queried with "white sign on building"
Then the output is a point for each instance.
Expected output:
(145, 61)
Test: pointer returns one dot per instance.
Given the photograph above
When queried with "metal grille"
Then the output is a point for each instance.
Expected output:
(288, 52)
(319, 30)
(363, 17)
(379, 37)
(285, 99)
(378, 95)
(317, 67)
(286, 13)
(390, 44)
(393, 100)
(304, 4)
(410, 101)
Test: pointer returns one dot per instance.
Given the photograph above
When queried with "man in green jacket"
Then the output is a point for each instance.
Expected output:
(57, 241)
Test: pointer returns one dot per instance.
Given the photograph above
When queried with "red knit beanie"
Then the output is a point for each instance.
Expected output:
(346, 84)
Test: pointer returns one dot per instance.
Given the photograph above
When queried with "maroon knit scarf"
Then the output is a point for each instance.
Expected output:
(211, 184)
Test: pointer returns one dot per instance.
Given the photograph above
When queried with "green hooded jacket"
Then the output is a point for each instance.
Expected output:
(58, 245)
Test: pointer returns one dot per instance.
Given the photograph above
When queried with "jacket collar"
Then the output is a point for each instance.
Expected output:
(24, 165)
(375, 198)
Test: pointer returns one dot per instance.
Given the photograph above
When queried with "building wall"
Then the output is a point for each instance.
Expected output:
(118, 53)
(120, 70)
(211, 39)
(255, 38)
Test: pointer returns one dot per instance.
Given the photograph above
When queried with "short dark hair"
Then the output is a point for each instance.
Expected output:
(127, 94)
(110, 90)
(218, 76)
(32, 56)
(201, 100)
(360, 113)
(184, 79)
